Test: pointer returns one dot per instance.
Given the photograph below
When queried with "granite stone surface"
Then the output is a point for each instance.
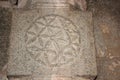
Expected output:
(37, 4)
(55, 43)
(106, 27)
(5, 27)
(106, 17)
(5, 4)
(49, 42)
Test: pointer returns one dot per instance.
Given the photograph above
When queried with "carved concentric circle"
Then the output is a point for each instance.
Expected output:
(53, 40)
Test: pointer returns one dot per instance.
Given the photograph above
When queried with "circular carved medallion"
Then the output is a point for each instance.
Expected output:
(53, 40)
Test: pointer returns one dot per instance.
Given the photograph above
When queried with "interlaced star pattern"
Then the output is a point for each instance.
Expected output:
(53, 40)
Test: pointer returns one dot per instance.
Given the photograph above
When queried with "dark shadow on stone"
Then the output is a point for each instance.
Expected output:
(5, 28)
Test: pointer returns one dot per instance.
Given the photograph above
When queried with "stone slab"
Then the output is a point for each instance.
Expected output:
(44, 43)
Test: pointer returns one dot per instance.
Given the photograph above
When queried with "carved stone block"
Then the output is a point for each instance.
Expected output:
(57, 43)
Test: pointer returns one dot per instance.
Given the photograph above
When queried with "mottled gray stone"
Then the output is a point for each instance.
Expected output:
(52, 42)
(5, 26)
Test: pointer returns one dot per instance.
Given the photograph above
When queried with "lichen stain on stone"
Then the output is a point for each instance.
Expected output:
(105, 29)
(114, 51)
(114, 65)
(110, 56)
(102, 53)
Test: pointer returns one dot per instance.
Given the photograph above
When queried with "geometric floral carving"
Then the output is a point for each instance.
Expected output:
(53, 40)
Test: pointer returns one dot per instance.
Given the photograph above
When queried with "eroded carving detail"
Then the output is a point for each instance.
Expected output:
(53, 41)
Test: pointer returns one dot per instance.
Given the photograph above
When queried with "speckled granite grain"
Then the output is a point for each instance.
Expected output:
(5, 28)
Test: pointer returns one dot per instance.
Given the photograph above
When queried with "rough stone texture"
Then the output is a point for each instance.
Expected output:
(38, 4)
(26, 4)
(78, 4)
(21, 4)
(5, 26)
(106, 13)
(3, 74)
(20, 78)
(53, 78)
(5, 4)
(106, 16)
(3, 0)
(46, 45)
